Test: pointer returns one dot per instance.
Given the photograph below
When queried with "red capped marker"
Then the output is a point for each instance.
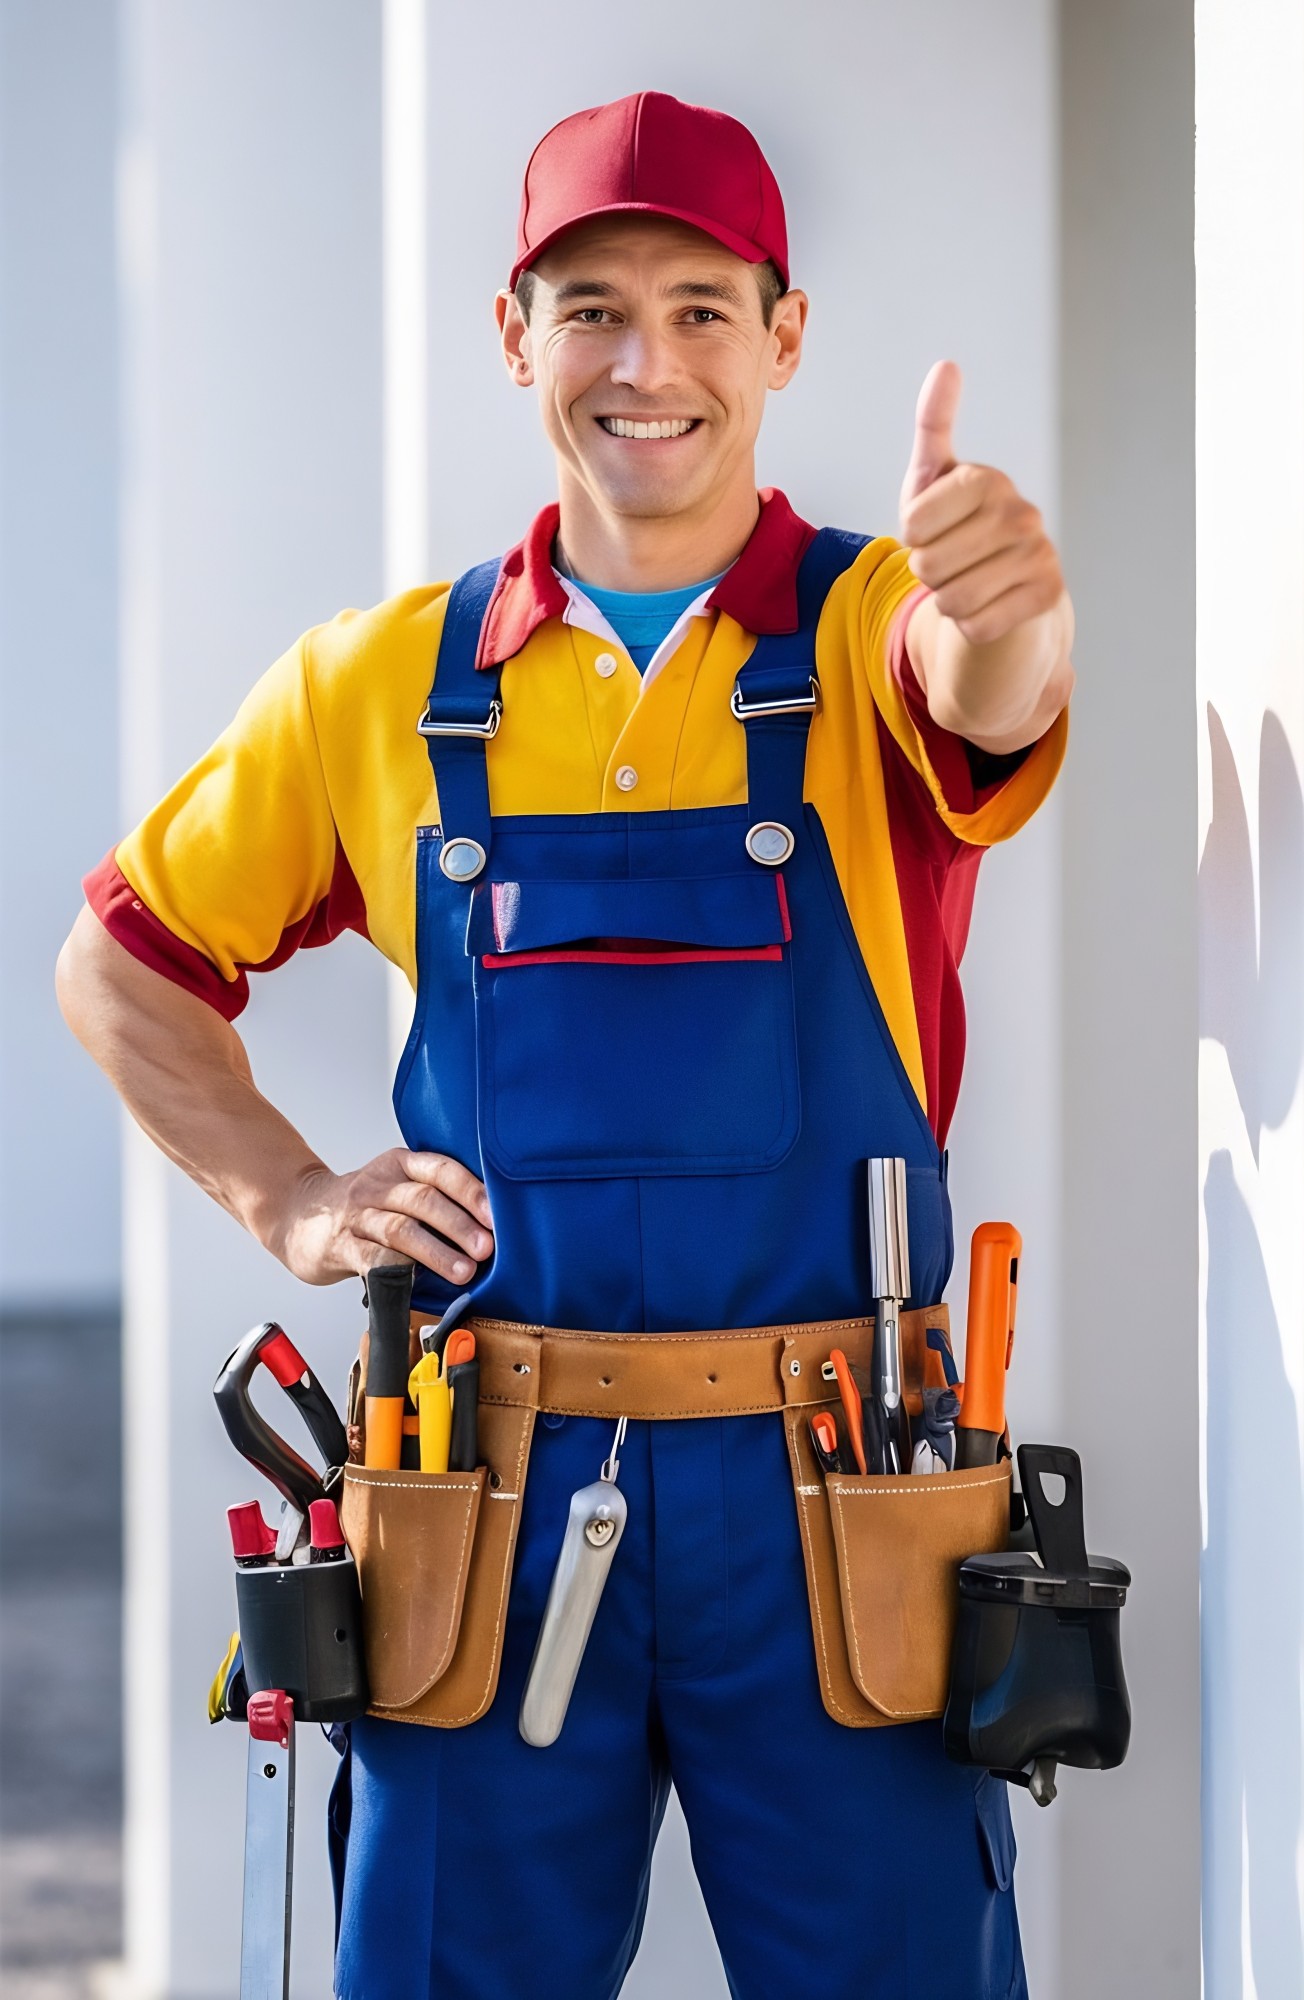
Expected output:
(252, 1541)
(328, 1543)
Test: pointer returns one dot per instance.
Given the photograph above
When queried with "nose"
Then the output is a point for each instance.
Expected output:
(644, 361)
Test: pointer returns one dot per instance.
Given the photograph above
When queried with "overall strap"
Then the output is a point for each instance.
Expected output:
(776, 695)
(462, 713)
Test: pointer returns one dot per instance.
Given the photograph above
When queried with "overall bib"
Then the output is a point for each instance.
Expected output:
(654, 1037)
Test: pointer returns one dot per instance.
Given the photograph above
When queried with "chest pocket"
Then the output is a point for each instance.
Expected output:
(634, 1026)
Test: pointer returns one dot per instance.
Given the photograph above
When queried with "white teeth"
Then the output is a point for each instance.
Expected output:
(627, 427)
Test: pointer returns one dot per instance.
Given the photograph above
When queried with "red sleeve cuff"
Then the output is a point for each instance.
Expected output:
(134, 925)
(140, 932)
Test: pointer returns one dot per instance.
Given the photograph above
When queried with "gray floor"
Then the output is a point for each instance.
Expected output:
(60, 1669)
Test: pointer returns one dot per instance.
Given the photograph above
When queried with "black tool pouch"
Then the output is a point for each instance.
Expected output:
(1037, 1665)
(301, 1631)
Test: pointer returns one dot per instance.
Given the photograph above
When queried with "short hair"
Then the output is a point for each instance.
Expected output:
(769, 283)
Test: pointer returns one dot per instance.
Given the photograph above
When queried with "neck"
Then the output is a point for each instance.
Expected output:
(643, 553)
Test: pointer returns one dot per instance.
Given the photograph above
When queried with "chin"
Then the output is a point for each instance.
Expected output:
(650, 500)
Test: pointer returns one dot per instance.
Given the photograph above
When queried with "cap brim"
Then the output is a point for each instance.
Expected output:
(742, 246)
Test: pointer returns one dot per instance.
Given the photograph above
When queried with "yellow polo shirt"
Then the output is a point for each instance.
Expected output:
(301, 820)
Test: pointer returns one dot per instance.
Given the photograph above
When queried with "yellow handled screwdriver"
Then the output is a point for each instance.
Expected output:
(428, 1388)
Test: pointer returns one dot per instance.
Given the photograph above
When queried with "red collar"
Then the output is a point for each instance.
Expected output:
(759, 591)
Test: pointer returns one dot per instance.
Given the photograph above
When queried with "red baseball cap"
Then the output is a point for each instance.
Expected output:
(652, 155)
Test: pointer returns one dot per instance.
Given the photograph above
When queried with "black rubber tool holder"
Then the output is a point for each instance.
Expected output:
(1037, 1670)
(300, 1623)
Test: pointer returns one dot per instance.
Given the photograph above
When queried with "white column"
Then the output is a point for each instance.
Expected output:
(405, 172)
(251, 273)
(1250, 516)
(1131, 1838)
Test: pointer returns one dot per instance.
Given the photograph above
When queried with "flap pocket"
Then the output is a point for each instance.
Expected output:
(900, 1542)
(411, 1534)
(630, 1026)
(711, 914)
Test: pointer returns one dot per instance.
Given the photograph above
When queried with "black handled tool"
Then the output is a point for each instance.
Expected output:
(464, 1444)
(389, 1310)
(270, 1346)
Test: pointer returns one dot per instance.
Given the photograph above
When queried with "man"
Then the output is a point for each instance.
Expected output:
(682, 886)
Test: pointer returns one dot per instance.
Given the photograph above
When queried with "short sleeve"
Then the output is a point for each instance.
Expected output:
(240, 863)
(980, 800)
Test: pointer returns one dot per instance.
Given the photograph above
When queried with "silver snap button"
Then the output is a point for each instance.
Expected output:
(599, 1530)
(606, 664)
(627, 777)
(461, 859)
(769, 841)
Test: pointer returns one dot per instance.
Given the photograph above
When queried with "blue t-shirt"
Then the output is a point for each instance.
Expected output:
(641, 618)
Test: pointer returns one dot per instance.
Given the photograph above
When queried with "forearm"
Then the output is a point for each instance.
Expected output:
(184, 1075)
(1002, 694)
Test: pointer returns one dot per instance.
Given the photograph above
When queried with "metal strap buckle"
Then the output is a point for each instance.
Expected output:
(485, 729)
(798, 704)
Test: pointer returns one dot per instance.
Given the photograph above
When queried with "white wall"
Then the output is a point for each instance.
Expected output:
(1250, 463)
(917, 151)
(1128, 916)
(60, 1220)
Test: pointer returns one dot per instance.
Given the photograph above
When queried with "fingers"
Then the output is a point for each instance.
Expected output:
(933, 451)
(975, 538)
(430, 1206)
(956, 496)
(1003, 613)
(455, 1180)
(989, 599)
(424, 1206)
(403, 1233)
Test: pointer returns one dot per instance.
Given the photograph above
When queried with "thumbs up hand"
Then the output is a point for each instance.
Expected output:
(979, 545)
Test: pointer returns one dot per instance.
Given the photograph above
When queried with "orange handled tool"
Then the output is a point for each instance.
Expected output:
(989, 1342)
(461, 1347)
(851, 1405)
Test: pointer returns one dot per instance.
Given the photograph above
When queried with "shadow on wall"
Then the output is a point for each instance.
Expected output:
(1252, 988)
(1252, 1003)
(1250, 1596)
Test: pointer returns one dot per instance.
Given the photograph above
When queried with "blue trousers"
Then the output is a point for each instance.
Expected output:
(848, 1864)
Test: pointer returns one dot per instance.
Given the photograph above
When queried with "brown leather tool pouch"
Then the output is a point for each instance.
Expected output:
(434, 1552)
(882, 1557)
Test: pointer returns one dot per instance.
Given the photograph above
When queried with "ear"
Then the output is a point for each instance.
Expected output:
(515, 338)
(785, 334)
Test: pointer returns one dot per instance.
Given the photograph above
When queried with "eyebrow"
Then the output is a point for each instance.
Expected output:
(688, 288)
(706, 288)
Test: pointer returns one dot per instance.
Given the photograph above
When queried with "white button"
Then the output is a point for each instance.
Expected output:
(627, 777)
(606, 664)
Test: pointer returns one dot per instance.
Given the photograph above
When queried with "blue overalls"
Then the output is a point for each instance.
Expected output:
(673, 1137)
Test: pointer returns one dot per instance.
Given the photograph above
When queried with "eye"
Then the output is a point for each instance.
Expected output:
(703, 315)
(591, 315)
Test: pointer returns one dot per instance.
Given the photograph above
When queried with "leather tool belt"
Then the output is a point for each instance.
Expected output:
(435, 1550)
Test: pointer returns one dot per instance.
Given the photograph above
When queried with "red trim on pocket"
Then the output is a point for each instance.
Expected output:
(782, 893)
(504, 961)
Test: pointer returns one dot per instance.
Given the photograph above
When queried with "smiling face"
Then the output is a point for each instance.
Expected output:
(649, 348)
